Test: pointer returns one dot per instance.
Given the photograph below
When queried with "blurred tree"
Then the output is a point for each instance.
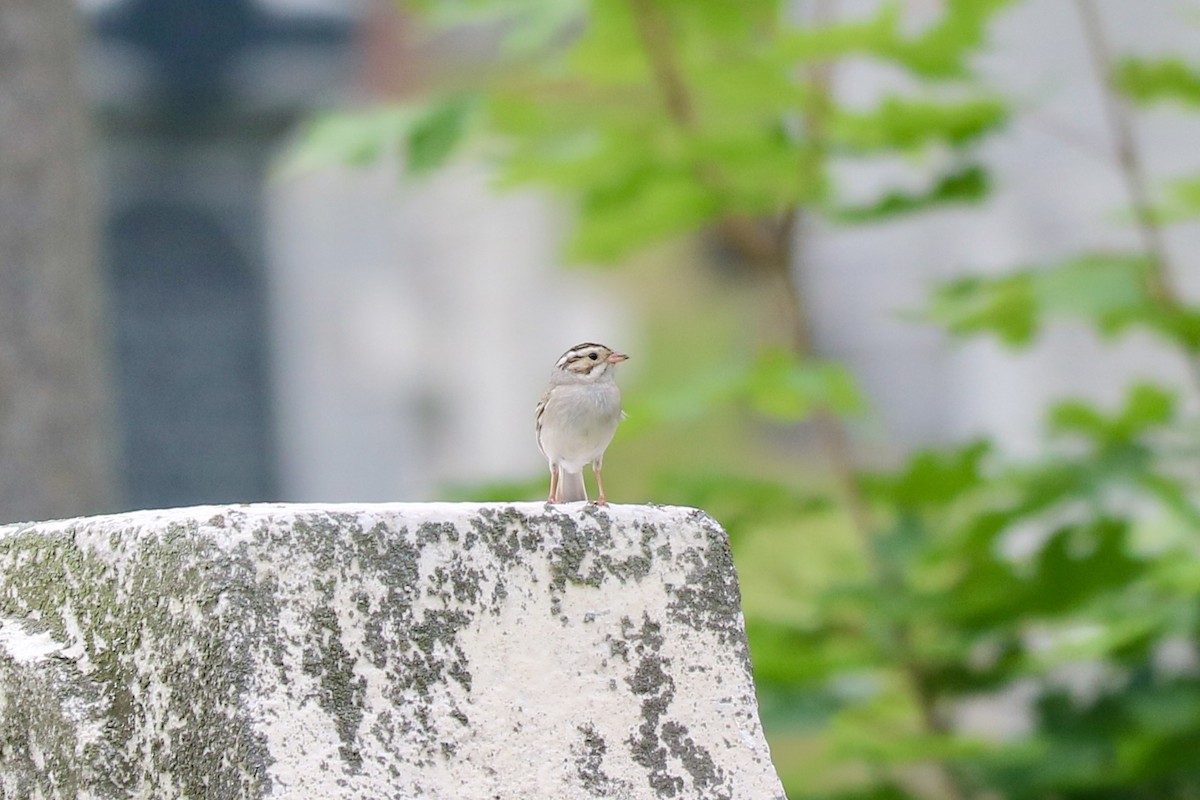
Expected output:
(976, 579)
(54, 412)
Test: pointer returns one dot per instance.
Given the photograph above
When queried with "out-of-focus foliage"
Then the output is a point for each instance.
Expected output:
(1107, 291)
(422, 135)
(942, 50)
(1148, 81)
(967, 185)
(658, 118)
(1062, 591)
(777, 385)
(663, 117)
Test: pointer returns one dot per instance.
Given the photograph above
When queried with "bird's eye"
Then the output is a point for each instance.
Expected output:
(593, 356)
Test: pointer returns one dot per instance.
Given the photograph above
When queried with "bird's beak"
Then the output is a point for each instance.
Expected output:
(616, 358)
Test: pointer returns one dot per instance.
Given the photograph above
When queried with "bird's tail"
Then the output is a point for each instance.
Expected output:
(570, 487)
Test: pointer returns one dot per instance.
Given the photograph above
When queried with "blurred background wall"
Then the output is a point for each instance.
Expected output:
(335, 335)
(348, 334)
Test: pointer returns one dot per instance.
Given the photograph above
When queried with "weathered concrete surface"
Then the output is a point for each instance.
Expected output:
(382, 651)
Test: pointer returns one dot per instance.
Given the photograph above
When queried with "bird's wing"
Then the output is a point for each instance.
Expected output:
(537, 420)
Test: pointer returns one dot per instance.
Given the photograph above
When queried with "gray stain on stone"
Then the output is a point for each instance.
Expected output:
(657, 736)
(434, 532)
(710, 598)
(696, 760)
(341, 692)
(589, 752)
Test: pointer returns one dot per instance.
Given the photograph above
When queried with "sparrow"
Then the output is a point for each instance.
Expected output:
(577, 417)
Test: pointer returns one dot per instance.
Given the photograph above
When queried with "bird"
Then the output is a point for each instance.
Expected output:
(577, 417)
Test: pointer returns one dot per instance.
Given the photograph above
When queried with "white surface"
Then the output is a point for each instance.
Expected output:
(23, 647)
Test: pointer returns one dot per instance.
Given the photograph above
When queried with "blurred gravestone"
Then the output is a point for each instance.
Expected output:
(193, 98)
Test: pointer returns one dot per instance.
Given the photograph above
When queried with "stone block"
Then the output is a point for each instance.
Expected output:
(457, 651)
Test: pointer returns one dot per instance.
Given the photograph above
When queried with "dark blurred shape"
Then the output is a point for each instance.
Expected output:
(54, 421)
(192, 51)
(193, 99)
(190, 329)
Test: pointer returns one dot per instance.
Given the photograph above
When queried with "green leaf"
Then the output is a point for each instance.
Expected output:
(967, 185)
(1078, 416)
(355, 139)
(794, 656)
(1146, 407)
(609, 49)
(1179, 326)
(683, 402)
(783, 388)
(1184, 195)
(1150, 80)
(427, 133)
(1075, 565)
(617, 219)
(1105, 290)
(907, 124)
(759, 173)
(876, 35)
(434, 133)
(942, 50)
(932, 478)
(1181, 202)
(1173, 494)
(1004, 306)
(1137, 741)
(437, 131)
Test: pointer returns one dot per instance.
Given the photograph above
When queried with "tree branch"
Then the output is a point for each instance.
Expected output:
(1127, 156)
(782, 253)
(659, 47)
(745, 233)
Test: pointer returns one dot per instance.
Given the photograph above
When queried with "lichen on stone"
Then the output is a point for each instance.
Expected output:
(341, 691)
(84, 599)
(398, 651)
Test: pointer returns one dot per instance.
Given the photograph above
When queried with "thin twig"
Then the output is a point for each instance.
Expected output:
(795, 235)
(831, 430)
(751, 239)
(1128, 158)
(659, 46)
(1070, 136)
(1159, 284)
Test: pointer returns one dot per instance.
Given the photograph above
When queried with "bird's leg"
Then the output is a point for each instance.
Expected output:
(553, 484)
(601, 500)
